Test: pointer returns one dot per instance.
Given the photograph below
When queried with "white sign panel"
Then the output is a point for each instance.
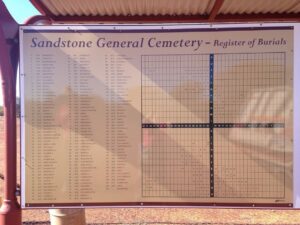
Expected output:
(177, 116)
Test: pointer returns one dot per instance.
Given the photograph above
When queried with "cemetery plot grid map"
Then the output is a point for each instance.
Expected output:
(212, 125)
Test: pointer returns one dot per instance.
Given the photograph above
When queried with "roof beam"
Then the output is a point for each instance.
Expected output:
(260, 17)
(38, 19)
(221, 18)
(215, 9)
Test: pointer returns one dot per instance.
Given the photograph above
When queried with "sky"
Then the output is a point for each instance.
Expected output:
(21, 10)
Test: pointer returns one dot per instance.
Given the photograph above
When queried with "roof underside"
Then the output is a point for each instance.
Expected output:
(169, 10)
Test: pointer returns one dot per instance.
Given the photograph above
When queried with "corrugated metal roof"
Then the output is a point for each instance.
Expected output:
(204, 10)
(260, 6)
(129, 7)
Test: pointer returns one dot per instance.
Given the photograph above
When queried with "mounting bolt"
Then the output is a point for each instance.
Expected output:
(18, 192)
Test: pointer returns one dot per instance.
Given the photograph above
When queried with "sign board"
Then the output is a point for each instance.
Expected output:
(156, 116)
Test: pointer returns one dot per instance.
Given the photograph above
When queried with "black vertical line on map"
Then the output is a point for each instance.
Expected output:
(142, 138)
(211, 123)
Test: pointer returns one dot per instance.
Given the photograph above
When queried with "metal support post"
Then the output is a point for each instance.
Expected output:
(10, 211)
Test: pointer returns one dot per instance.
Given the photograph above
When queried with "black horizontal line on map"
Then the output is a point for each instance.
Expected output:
(215, 125)
(175, 125)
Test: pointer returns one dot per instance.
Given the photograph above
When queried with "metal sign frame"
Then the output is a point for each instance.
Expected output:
(125, 28)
